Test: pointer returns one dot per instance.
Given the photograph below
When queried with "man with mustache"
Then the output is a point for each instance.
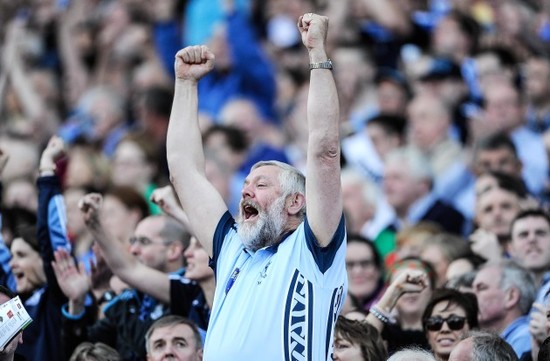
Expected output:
(280, 275)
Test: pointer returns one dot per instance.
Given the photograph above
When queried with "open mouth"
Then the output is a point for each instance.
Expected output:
(18, 275)
(249, 212)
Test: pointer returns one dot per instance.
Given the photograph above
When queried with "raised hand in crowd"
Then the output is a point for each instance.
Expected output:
(53, 152)
(166, 198)
(486, 245)
(73, 280)
(409, 281)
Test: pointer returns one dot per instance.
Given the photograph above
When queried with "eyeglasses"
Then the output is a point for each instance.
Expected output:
(363, 264)
(144, 241)
(454, 322)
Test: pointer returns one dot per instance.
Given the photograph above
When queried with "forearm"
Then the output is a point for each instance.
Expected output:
(323, 153)
(184, 142)
(119, 259)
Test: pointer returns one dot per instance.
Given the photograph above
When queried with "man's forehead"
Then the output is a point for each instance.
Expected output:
(489, 274)
(149, 226)
(265, 171)
(179, 331)
(531, 222)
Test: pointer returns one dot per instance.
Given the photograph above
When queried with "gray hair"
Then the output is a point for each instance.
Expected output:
(292, 181)
(490, 346)
(412, 354)
(369, 190)
(173, 231)
(515, 276)
(417, 164)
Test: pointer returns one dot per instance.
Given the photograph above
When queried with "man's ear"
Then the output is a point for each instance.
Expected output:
(175, 251)
(513, 296)
(295, 203)
(199, 354)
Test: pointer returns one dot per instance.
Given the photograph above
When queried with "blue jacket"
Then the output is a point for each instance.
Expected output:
(42, 339)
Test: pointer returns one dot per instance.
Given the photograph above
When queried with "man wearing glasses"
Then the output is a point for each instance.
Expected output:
(158, 243)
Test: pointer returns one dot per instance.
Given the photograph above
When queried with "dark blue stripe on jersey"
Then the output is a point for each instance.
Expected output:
(310, 321)
(330, 320)
(324, 256)
(288, 305)
(224, 225)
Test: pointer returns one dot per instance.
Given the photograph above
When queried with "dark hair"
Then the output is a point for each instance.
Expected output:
(467, 25)
(414, 263)
(143, 142)
(14, 218)
(495, 142)
(356, 238)
(391, 123)
(535, 212)
(544, 351)
(158, 100)
(7, 292)
(509, 183)
(131, 198)
(173, 320)
(28, 234)
(235, 137)
(363, 335)
(98, 351)
(466, 301)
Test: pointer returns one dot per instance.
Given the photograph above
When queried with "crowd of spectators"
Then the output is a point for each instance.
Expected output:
(445, 123)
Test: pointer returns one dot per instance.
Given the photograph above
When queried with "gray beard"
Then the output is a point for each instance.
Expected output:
(267, 229)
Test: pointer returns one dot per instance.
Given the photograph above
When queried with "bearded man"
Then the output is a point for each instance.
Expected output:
(280, 275)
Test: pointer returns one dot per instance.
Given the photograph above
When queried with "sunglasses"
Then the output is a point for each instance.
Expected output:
(454, 322)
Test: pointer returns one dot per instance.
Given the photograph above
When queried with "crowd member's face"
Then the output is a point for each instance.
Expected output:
(503, 110)
(496, 208)
(175, 342)
(148, 245)
(345, 350)
(27, 267)
(401, 188)
(412, 304)
(531, 243)
(262, 213)
(500, 160)
(363, 274)
(443, 341)
(428, 123)
(130, 167)
(117, 218)
(435, 257)
(392, 98)
(490, 298)
(358, 211)
(197, 262)
(382, 141)
(537, 76)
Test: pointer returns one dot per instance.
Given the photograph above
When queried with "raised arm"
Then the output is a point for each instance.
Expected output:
(119, 259)
(202, 203)
(323, 193)
(51, 217)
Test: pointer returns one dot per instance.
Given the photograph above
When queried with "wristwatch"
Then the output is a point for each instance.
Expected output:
(323, 65)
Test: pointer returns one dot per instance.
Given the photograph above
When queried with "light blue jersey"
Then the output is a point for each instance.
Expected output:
(278, 303)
